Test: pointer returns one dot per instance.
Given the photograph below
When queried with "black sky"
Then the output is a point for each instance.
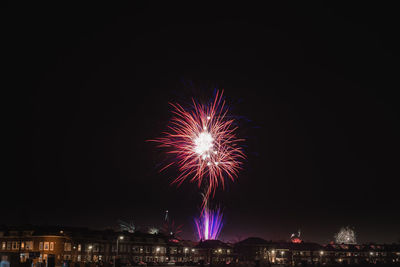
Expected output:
(86, 86)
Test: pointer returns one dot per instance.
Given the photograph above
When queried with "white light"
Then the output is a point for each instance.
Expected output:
(186, 249)
(208, 117)
(121, 237)
(158, 249)
(192, 249)
(208, 163)
(216, 163)
(322, 253)
(204, 143)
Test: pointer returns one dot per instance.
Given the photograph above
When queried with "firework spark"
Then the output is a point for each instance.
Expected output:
(209, 224)
(153, 231)
(346, 235)
(171, 229)
(127, 226)
(203, 144)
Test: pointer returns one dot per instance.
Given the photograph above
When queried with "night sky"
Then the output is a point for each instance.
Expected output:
(313, 88)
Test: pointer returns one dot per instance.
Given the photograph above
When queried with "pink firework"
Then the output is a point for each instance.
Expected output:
(204, 145)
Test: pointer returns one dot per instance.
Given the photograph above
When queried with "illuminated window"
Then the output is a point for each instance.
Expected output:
(3, 245)
(79, 247)
(51, 245)
(22, 245)
(67, 246)
(15, 245)
(46, 245)
(29, 245)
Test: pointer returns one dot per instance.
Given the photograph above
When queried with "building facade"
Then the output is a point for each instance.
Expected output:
(81, 247)
(306, 253)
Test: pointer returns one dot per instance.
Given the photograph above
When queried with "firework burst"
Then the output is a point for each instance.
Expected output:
(153, 230)
(203, 144)
(346, 235)
(127, 226)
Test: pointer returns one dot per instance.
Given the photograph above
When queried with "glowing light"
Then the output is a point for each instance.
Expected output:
(209, 224)
(346, 235)
(296, 240)
(203, 144)
(153, 231)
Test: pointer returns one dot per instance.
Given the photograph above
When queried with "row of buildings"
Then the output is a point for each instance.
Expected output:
(57, 246)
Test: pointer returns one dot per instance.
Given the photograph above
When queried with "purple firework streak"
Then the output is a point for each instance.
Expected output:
(209, 224)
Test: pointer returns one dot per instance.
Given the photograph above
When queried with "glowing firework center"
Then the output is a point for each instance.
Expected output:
(204, 144)
(204, 147)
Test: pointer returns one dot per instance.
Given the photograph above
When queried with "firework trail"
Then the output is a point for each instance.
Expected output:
(203, 144)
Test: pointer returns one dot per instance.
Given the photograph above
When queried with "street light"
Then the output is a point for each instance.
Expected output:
(121, 237)
(186, 250)
(91, 252)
